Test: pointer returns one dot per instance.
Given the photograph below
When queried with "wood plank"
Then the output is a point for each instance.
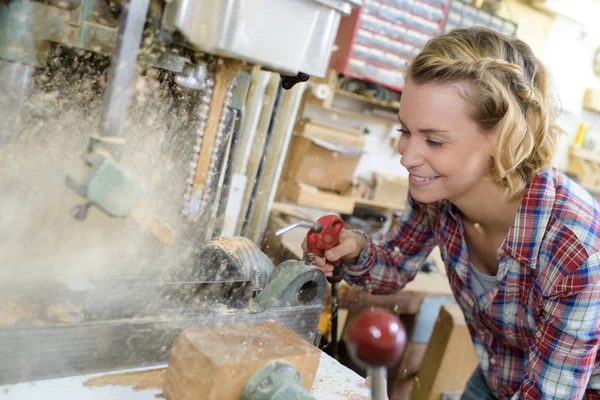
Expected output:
(145, 218)
(355, 114)
(591, 100)
(393, 105)
(314, 131)
(584, 154)
(289, 209)
(406, 373)
(273, 168)
(312, 197)
(327, 125)
(450, 358)
(378, 204)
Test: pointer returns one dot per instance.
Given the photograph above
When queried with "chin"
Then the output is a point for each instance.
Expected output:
(426, 196)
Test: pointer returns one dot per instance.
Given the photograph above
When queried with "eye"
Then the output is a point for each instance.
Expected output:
(403, 131)
(434, 143)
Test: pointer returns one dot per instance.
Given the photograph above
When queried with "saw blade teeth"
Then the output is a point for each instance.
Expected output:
(203, 111)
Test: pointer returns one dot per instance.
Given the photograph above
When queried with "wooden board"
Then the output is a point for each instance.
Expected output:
(289, 209)
(214, 363)
(407, 371)
(327, 125)
(145, 218)
(318, 131)
(450, 358)
(312, 197)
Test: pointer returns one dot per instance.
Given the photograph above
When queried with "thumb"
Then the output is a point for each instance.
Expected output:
(345, 248)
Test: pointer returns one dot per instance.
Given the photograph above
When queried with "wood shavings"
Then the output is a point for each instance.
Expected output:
(142, 380)
(12, 311)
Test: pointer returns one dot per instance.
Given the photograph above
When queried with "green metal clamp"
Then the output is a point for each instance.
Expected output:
(276, 380)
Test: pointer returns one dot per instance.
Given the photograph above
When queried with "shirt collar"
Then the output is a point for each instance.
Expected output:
(524, 239)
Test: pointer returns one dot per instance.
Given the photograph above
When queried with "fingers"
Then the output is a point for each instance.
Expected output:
(304, 246)
(326, 268)
(320, 263)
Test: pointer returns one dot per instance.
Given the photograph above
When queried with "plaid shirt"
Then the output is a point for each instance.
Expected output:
(537, 332)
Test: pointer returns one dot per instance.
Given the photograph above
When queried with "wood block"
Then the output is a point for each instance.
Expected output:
(312, 197)
(143, 216)
(214, 363)
(318, 131)
(591, 100)
(450, 358)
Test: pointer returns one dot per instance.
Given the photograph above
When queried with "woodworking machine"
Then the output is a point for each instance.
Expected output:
(107, 231)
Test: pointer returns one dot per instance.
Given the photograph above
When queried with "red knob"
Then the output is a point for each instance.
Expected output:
(376, 338)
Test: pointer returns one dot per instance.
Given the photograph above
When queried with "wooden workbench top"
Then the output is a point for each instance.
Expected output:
(333, 381)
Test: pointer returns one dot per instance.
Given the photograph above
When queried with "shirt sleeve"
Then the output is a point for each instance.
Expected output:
(387, 268)
(566, 341)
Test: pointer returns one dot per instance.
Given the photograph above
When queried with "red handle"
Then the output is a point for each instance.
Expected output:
(328, 237)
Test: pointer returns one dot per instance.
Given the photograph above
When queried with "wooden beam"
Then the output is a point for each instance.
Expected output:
(450, 357)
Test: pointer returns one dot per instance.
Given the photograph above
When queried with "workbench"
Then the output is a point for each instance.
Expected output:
(333, 381)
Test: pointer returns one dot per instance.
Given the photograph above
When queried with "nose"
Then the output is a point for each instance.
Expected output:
(411, 155)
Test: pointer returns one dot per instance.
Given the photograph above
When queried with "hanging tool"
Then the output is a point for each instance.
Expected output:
(323, 235)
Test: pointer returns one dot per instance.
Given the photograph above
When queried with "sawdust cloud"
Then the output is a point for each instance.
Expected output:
(39, 240)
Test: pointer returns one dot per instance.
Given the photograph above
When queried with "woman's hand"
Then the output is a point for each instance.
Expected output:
(349, 249)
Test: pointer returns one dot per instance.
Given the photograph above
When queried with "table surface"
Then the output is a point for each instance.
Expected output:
(333, 381)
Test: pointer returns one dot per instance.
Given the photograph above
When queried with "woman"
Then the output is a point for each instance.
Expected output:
(519, 239)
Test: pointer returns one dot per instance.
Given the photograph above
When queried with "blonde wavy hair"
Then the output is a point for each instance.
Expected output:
(511, 96)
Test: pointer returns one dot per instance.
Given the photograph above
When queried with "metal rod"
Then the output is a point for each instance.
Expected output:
(378, 385)
(216, 189)
(15, 81)
(263, 161)
(122, 67)
(334, 321)
(226, 188)
(294, 226)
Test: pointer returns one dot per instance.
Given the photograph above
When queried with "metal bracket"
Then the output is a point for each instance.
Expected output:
(109, 187)
(276, 380)
(292, 284)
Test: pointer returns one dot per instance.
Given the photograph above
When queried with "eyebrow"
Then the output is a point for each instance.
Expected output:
(425, 130)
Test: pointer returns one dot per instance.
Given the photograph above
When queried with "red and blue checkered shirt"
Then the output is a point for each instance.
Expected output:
(537, 332)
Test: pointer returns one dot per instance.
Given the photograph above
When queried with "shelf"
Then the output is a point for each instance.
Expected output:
(355, 114)
(393, 105)
(367, 79)
(378, 64)
(389, 37)
(434, 5)
(382, 49)
(398, 24)
(410, 12)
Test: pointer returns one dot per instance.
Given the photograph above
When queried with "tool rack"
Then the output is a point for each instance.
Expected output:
(375, 41)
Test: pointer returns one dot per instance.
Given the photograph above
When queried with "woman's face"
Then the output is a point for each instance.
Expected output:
(442, 148)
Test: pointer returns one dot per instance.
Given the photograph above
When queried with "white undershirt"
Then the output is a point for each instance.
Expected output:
(481, 282)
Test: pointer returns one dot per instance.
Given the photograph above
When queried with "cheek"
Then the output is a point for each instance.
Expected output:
(467, 162)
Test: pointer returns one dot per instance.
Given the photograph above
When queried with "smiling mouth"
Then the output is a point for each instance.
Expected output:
(423, 179)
